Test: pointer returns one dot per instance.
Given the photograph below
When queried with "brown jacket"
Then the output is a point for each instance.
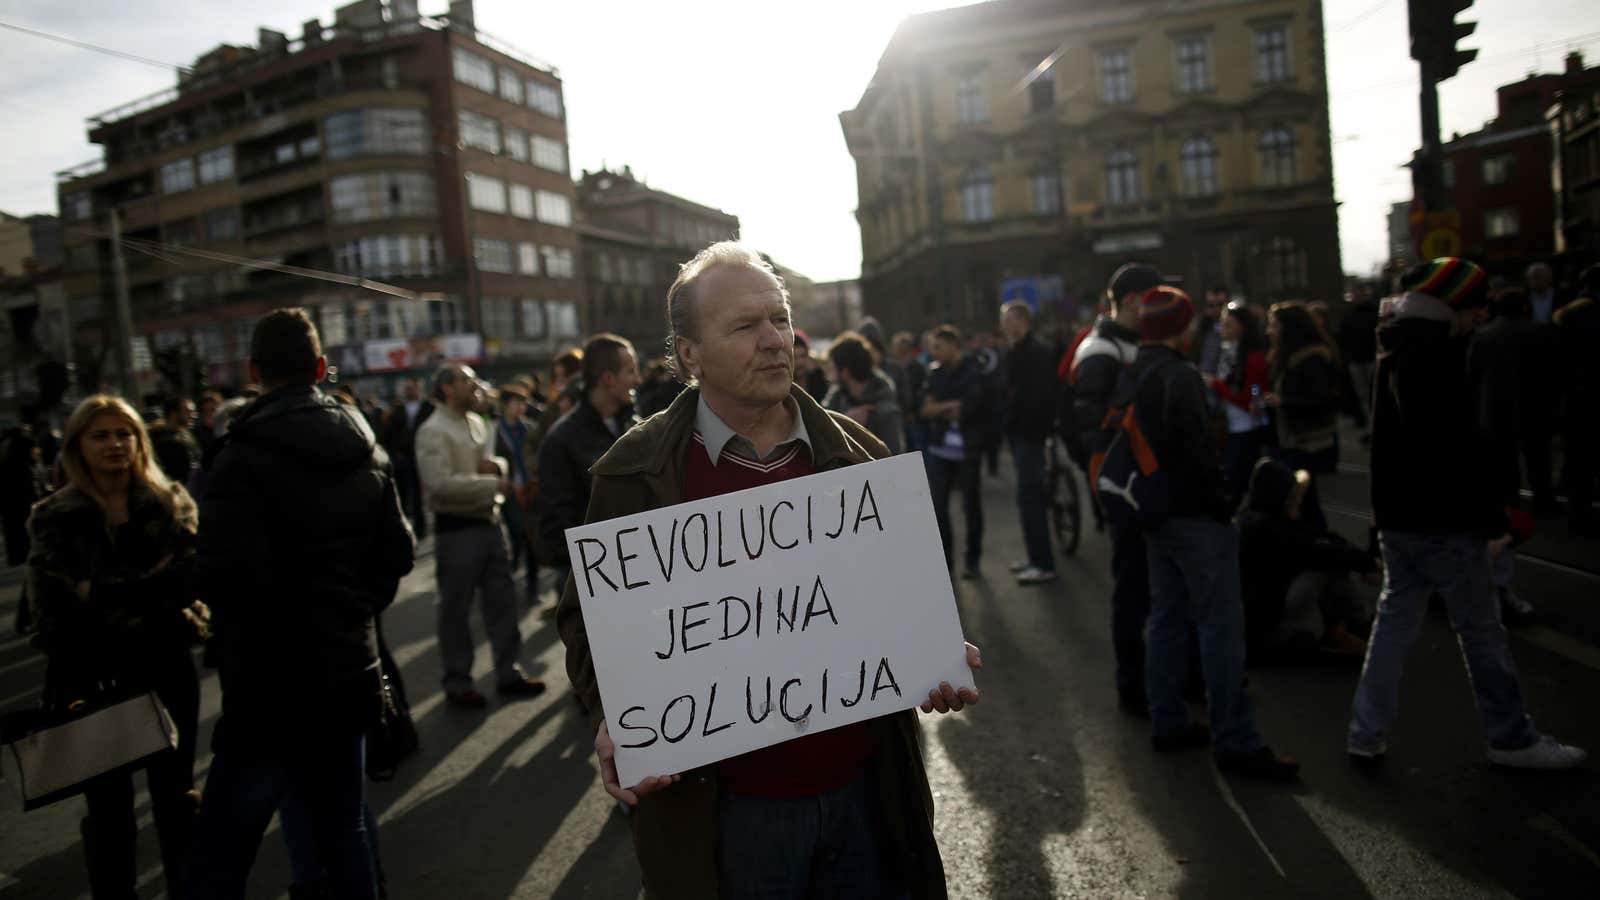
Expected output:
(675, 830)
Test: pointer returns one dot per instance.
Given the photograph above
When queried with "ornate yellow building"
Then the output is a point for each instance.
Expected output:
(1038, 145)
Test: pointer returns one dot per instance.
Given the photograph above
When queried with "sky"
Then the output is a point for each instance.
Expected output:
(735, 103)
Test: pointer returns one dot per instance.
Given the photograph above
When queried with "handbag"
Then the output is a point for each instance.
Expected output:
(393, 737)
(51, 756)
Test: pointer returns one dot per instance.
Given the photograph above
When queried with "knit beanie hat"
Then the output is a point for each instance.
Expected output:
(1459, 283)
(1164, 313)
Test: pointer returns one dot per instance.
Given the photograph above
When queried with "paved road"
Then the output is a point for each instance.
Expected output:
(1043, 790)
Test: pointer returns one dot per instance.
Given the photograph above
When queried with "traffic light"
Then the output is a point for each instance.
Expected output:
(1434, 33)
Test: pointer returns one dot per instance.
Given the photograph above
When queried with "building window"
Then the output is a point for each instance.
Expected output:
(544, 98)
(1501, 223)
(1042, 89)
(331, 324)
(383, 195)
(527, 258)
(473, 70)
(1497, 169)
(220, 224)
(177, 176)
(444, 316)
(532, 319)
(216, 165)
(362, 132)
(388, 255)
(562, 318)
(1285, 265)
(479, 132)
(499, 317)
(1116, 76)
(602, 267)
(521, 201)
(1272, 54)
(643, 265)
(510, 86)
(552, 208)
(492, 255)
(549, 153)
(1047, 192)
(558, 262)
(977, 195)
(1275, 148)
(1197, 160)
(76, 206)
(485, 193)
(972, 102)
(1122, 177)
(516, 144)
(1194, 65)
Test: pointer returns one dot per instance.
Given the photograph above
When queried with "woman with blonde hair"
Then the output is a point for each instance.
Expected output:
(110, 573)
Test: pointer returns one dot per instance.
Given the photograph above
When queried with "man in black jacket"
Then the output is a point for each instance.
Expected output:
(957, 409)
(302, 542)
(400, 440)
(1030, 412)
(1096, 370)
(610, 375)
(1194, 554)
(1440, 519)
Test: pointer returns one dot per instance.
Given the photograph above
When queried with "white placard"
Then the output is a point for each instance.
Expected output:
(724, 625)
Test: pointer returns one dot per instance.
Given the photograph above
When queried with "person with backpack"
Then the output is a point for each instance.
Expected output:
(1440, 520)
(1161, 471)
(1097, 367)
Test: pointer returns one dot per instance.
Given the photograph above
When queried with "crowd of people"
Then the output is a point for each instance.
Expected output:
(143, 542)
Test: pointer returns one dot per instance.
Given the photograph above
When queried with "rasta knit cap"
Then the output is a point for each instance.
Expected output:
(1164, 313)
(1459, 283)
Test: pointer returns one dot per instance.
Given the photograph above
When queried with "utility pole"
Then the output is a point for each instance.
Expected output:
(124, 313)
(1434, 33)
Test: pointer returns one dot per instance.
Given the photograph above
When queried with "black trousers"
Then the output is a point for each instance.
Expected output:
(1130, 608)
(110, 831)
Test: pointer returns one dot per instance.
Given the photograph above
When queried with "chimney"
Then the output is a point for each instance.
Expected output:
(271, 41)
(311, 32)
(461, 13)
(1574, 63)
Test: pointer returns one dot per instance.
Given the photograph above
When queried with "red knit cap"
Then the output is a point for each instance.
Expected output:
(1164, 313)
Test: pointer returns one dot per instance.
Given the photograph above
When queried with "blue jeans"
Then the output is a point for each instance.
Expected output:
(827, 846)
(1028, 455)
(300, 839)
(1456, 567)
(1194, 578)
(944, 474)
(241, 798)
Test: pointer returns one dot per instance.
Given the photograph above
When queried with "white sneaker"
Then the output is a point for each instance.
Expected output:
(1018, 566)
(1545, 753)
(1031, 575)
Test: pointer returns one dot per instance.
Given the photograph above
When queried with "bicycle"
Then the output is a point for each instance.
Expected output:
(1063, 498)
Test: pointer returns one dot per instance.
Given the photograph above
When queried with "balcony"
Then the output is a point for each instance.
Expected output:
(281, 217)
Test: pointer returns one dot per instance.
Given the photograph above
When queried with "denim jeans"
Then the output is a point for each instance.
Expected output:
(240, 800)
(943, 475)
(1194, 578)
(300, 838)
(1028, 455)
(1130, 608)
(822, 847)
(1456, 567)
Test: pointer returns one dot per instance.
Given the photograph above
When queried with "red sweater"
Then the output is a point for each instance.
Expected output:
(814, 763)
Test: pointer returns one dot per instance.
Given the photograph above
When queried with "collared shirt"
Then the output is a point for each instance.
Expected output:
(719, 438)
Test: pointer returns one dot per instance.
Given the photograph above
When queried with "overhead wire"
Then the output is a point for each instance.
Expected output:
(85, 45)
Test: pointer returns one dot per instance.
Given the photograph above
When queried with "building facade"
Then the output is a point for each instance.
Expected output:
(405, 149)
(1402, 247)
(1027, 140)
(1500, 177)
(834, 306)
(1574, 124)
(634, 238)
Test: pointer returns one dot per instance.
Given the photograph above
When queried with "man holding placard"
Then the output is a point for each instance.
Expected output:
(780, 690)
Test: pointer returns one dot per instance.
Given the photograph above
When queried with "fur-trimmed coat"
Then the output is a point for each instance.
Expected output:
(106, 598)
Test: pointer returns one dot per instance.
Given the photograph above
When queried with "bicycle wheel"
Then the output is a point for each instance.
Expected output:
(1066, 507)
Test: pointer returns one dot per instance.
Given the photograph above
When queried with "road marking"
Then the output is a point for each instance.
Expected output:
(1545, 823)
(1233, 804)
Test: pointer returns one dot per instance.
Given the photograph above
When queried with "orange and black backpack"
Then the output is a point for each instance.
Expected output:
(1124, 473)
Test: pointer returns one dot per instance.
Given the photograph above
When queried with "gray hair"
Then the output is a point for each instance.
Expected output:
(682, 322)
(226, 412)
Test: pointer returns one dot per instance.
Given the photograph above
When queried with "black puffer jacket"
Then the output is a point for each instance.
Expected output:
(1171, 405)
(1430, 472)
(572, 447)
(302, 542)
